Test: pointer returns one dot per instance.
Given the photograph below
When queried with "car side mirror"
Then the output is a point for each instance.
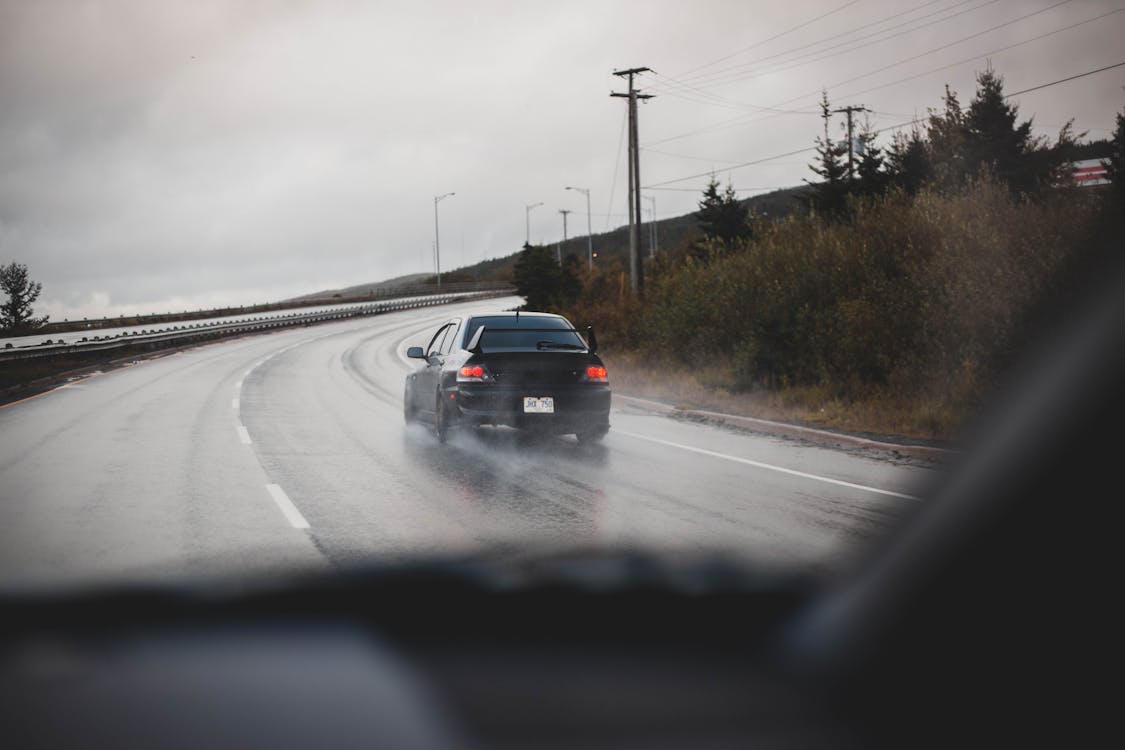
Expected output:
(415, 352)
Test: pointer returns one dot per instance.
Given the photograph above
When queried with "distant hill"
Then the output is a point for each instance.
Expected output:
(610, 246)
(364, 290)
(613, 245)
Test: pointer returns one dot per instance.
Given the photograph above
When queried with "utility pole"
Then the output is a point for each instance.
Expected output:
(589, 231)
(849, 111)
(558, 251)
(636, 262)
(651, 226)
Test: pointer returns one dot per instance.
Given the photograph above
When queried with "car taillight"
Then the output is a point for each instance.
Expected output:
(596, 374)
(472, 374)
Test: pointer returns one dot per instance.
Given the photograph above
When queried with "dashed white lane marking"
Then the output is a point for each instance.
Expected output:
(234, 404)
(296, 520)
(243, 435)
(769, 467)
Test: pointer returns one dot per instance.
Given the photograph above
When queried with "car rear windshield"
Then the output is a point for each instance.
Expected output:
(498, 335)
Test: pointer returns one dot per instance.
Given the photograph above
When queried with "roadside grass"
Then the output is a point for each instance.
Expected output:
(900, 321)
(712, 388)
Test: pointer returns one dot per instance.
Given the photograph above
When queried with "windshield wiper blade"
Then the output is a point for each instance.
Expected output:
(558, 345)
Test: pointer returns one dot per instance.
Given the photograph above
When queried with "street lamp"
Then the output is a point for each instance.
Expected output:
(589, 233)
(527, 217)
(437, 243)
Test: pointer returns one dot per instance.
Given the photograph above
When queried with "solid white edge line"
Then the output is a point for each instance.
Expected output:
(243, 435)
(296, 520)
(762, 465)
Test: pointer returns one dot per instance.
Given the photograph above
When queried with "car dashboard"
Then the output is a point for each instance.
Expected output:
(431, 656)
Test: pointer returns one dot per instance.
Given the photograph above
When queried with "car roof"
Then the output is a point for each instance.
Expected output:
(521, 315)
(513, 313)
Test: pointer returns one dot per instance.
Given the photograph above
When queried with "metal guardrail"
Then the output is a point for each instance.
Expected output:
(202, 331)
(375, 294)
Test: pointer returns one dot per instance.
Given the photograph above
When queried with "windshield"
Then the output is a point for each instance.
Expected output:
(243, 247)
(531, 333)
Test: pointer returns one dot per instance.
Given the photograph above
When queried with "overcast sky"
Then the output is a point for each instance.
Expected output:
(162, 156)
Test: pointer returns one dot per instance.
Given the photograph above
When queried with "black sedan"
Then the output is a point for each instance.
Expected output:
(531, 371)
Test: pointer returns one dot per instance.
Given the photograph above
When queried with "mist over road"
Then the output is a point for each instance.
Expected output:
(287, 452)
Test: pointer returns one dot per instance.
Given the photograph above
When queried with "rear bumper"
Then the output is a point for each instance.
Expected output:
(578, 408)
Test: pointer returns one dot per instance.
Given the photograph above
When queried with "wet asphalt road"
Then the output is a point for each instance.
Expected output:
(288, 452)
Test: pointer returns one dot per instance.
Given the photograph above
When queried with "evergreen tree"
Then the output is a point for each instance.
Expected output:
(543, 282)
(570, 281)
(872, 178)
(829, 196)
(1053, 166)
(946, 144)
(16, 314)
(995, 141)
(908, 165)
(721, 216)
(536, 276)
(1115, 164)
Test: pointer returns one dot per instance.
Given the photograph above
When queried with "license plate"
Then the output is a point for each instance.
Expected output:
(538, 405)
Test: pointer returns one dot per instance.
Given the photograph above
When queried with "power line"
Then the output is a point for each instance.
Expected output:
(669, 87)
(684, 156)
(736, 166)
(737, 190)
(774, 37)
(616, 166)
(798, 48)
(974, 58)
(746, 119)
(939, 48)
(916, 120)
(731, 76)
(1064, 80)
(676, 87)
(860, 43)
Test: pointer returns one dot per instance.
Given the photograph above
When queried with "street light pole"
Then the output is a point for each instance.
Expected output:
(589, 232)
(437, 241)
(527, 217)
